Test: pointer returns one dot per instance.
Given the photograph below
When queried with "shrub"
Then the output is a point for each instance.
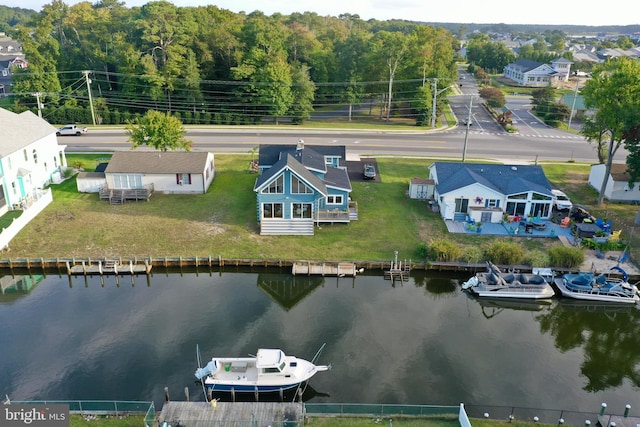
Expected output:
(562, 256)
(473, 255)
(444, 250)
(537, 258)
(509, 253)
(423, 250)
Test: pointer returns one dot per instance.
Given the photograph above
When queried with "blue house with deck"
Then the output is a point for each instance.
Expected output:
(300, 187)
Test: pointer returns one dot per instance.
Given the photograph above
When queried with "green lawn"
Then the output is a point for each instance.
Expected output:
(223, 221)
(314, 421)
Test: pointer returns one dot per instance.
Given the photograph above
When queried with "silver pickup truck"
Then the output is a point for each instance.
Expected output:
(71, 130)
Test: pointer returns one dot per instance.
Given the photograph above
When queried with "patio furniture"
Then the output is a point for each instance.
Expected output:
(586, 229)
(564, 223)
(615, 236)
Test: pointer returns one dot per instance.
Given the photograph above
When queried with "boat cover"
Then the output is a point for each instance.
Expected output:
(209, 369)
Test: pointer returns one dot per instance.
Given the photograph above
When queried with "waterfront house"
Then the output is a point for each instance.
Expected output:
(489, 192)
(299, 187)
(169, 172)
(617, 188)
(30, 158)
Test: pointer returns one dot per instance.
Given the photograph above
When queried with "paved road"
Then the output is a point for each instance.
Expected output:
(484, 138)
(483, 142)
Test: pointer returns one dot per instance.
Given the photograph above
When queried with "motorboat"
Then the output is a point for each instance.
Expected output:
(270, 370)
(611, 286)
(497, 284)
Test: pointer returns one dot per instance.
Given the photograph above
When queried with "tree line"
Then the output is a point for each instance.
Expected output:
(207, 64)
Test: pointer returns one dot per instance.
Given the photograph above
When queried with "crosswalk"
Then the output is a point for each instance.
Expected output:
(515, 135)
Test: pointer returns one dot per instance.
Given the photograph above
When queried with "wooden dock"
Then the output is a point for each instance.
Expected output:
(113, 267)
(205, 414)
(310, 268)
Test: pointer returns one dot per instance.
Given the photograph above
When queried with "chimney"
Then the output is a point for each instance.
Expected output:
(300, 145)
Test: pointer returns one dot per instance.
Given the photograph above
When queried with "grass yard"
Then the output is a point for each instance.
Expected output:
(138, 421)
(223, 221)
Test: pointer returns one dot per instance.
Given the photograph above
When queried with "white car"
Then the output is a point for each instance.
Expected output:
(71, 130)
(560, 200)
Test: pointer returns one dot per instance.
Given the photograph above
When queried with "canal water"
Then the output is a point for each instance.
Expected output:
(422, 341)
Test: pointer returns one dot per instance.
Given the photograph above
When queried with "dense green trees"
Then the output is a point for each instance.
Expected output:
(208, 65)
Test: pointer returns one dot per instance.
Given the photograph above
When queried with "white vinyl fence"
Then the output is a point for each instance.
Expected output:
(41, 200)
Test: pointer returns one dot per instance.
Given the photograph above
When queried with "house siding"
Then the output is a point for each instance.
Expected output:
(44, 162)
(486, 192)
(615, 190)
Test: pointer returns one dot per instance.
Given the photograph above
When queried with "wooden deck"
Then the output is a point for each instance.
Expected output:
(323, 268)
(107, 267)
(119, 196)
(203, 414)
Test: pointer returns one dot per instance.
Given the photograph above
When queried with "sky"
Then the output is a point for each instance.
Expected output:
(543, 12)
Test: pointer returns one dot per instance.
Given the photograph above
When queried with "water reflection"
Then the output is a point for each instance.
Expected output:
(13, 287)
(288, 290)
(423, 341)
(606, 333)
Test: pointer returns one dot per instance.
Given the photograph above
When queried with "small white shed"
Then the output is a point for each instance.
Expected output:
(90, 182)
(421, 188)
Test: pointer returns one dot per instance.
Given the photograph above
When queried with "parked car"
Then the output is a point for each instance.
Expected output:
(560, 201)
(71, 130)
(369, 171)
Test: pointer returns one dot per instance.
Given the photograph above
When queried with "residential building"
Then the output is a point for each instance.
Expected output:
(488, 192)
(535, 74)
(170, 172)
(300, 186)
(30, 158)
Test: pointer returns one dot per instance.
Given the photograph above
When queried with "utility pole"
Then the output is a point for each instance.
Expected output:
(93, 114)
(37, 94)
(433, 107)
(573, 104)
(466, 135)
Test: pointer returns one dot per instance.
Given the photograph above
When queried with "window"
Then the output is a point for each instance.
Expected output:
(272, 210)
(35, 156)
(276, 187)
(462, 205)
(492, 203)
(334, 200)
(301, 210)
(183, 178)
(125, 181)
(26, 158)
(299, 187)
